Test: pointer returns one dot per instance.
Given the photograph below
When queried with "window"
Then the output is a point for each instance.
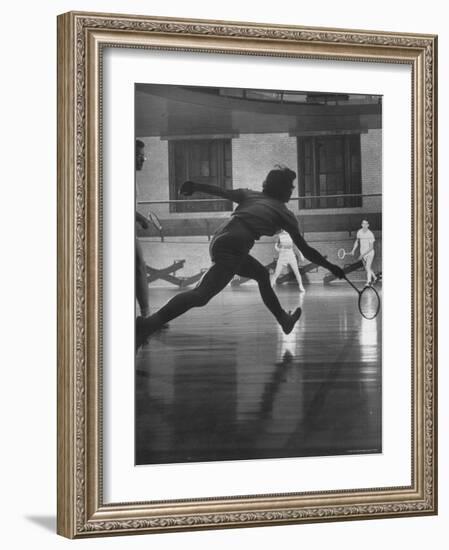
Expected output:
(203, 161)
(329, 165)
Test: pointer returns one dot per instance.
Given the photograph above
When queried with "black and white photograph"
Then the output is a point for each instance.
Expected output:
(224, 352)
(238, 346)
(258, 273)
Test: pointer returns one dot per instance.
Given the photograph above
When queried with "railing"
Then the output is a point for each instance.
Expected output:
(305, 197)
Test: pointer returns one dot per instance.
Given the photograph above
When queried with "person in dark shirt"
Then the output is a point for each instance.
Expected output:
(257, 214)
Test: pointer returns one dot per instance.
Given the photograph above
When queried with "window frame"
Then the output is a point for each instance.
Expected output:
(353, 185)
(187, 204)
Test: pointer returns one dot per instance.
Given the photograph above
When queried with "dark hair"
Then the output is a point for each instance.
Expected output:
(279, 183)
(139, 144)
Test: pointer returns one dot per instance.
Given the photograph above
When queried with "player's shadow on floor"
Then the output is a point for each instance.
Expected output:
(46, 522)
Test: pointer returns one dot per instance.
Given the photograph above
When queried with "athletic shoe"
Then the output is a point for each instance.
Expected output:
(290, 319)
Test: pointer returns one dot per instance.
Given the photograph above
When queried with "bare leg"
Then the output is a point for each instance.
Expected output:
(370, 276)
(213, 281)
(295, 269)
(276, 273)
(255, 270)
(141, 282)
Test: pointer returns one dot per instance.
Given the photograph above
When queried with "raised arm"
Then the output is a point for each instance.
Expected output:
(314, 256)
(190, 187)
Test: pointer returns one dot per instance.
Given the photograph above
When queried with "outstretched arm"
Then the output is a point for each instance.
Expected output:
(190, 187)
(314, 256)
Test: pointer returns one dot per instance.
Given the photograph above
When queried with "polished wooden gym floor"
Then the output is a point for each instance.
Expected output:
(224, 383)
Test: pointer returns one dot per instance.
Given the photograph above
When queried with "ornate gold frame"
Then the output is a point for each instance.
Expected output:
(81, 36)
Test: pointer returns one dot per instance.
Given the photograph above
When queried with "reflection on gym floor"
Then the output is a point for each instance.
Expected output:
(224, 383)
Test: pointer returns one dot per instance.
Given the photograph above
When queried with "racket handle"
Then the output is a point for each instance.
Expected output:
(353, 286)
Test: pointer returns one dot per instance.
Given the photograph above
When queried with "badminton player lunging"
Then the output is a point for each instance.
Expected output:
(258, 213)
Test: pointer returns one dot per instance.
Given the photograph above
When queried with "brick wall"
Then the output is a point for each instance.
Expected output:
(371, 153)
(254, 155)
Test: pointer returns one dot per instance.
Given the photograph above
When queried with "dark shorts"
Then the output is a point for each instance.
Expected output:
(231, 244)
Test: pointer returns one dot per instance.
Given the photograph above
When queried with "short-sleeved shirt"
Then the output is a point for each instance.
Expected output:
(366, 239)
(262, 214)
(285, 241)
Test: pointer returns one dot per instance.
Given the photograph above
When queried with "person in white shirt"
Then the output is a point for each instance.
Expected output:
(365, 240)
(289, 255)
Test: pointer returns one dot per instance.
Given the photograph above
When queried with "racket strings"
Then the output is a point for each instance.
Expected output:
(369, 302)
